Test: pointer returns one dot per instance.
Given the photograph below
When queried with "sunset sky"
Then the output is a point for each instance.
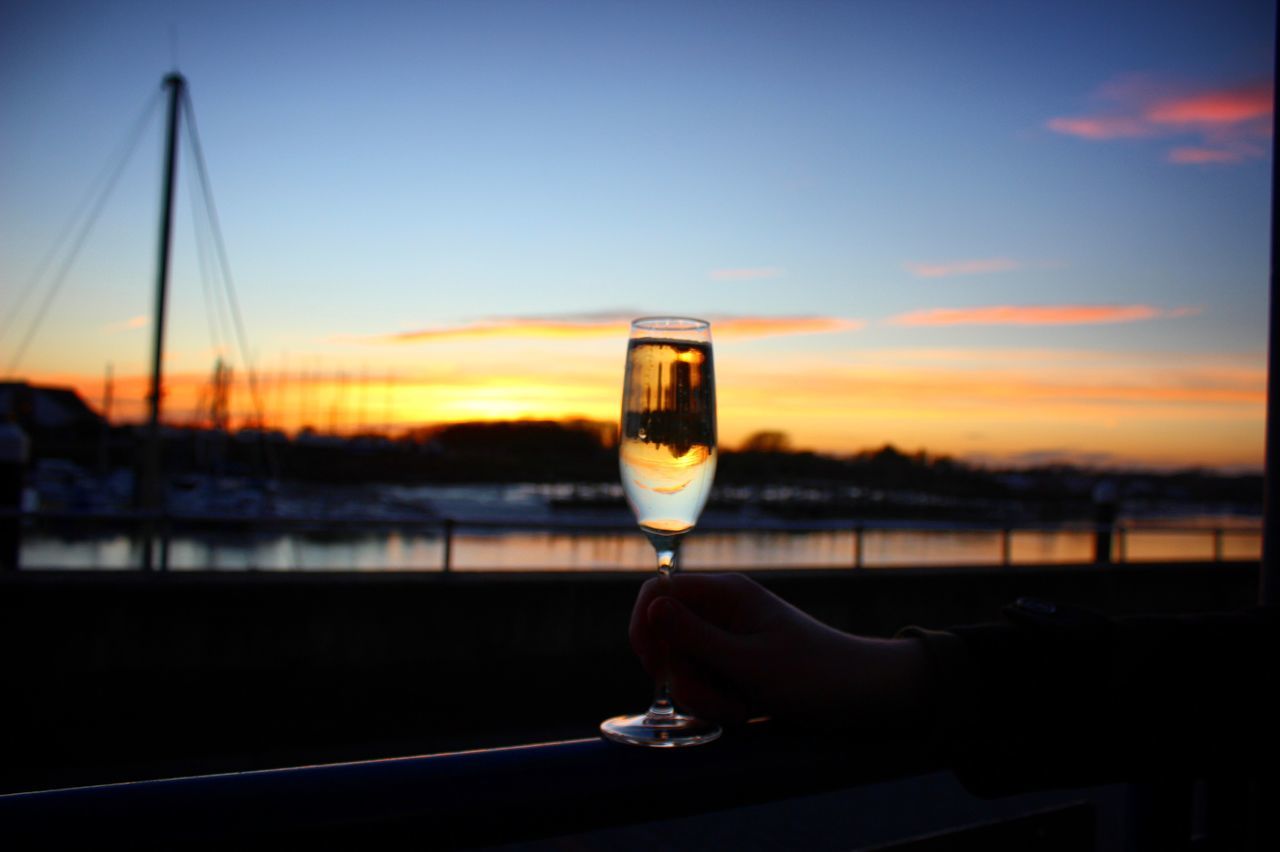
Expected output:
(1008, 231)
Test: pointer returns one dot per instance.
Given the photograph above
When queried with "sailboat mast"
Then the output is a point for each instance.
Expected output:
(151, 489)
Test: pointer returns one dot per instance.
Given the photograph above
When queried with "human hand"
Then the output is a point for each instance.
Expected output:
(732, 649)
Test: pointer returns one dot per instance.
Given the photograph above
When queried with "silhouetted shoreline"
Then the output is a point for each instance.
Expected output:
(765, 473)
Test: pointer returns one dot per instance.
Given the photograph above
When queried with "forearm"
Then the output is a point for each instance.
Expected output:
(896, 685)
(819, 676)
(1057, 696)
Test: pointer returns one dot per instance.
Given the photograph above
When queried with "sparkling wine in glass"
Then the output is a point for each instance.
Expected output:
(667, 457)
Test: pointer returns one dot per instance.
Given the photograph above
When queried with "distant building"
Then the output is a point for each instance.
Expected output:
(47, 410)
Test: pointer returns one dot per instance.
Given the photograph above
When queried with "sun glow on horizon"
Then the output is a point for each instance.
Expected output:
(1152, 409)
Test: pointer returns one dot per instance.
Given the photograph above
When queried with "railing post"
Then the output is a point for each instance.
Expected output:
(1122, 543)
(15, 453)
(166, 533)
(1102, 542)
(857, 546)
(447, 565)
(1006, 547)
(1217, 544)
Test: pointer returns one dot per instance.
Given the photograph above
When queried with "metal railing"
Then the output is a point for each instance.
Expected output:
(524, 793)
(1109, 543)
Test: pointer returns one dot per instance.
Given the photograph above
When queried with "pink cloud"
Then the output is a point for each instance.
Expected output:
(1101, 127)
(1224, 106)
(1183, 156)
(960, 267)
(1036, 315)
(1227, 122)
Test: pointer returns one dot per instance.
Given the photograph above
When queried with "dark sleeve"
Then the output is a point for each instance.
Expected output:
(1058, 696)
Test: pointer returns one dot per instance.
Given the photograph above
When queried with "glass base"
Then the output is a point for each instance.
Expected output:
(667, 730)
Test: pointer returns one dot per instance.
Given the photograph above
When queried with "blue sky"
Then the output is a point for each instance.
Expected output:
(388, 168)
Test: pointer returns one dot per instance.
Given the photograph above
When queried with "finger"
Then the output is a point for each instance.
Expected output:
(732, 601)
(692, 691)
(720, 598)
(691, 636)
(639, 632)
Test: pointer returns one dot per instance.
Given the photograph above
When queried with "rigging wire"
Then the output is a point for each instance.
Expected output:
(215, 310)
(268, 456)
(221, 254)
(101, 187)
(212, 314)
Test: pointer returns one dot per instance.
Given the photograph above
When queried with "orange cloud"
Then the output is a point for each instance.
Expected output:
(603, 326)
(131, 324)
(1165, 407)
(536, 328)
(1229, 122)
(1037, 315)
(745, 274)
(960, 267)
(996, 391)
(756, 327)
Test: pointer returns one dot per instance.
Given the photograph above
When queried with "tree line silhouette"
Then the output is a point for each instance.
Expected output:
(884, 481)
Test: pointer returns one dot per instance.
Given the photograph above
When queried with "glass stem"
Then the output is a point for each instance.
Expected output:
(668, 564)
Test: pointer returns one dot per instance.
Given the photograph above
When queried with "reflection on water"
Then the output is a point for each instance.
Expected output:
(408, 542)
(594, 551)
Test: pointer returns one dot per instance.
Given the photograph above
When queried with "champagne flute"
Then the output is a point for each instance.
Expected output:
(667, 456)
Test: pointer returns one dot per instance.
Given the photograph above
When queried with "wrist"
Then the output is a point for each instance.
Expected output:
(902, 685)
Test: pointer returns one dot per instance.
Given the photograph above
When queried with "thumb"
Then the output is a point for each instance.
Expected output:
(694, 637)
